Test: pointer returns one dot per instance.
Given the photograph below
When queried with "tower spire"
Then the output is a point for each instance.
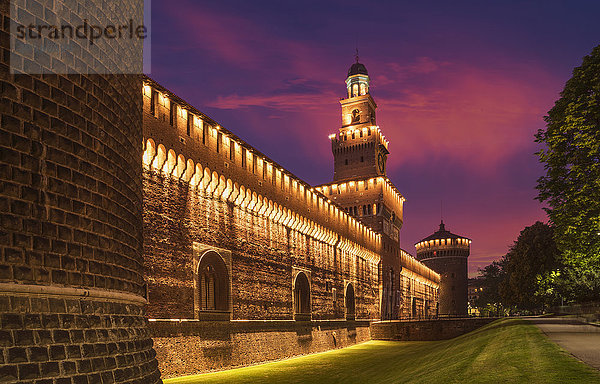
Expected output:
(356, 55)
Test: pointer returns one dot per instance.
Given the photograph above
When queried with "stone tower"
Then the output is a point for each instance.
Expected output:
(72, 291)
(361, 150)
(447, 253)
(361, 185)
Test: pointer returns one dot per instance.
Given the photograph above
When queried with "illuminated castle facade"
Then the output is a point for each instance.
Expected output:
(237, 246)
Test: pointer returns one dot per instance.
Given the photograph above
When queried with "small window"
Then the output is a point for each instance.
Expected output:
(346, 162)
(153, 98)
(362, 159)
(205, 129)
(173, 114)
(219, 141)
(244, 158)
(232, 150)
(189, 123)
(334, 294)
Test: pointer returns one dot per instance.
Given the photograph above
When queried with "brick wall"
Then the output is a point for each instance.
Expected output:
(186, 348)
(71, 307)
(296, 230)
(426, 330)
(264, 254)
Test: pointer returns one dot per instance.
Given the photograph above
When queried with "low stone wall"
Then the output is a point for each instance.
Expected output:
(426, 330)
(189, 347)
(588, 312)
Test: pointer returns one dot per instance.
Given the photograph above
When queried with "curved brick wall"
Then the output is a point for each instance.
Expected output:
(71, 282)
(453, 296)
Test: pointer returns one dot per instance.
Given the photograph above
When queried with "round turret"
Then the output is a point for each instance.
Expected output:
(447, 253)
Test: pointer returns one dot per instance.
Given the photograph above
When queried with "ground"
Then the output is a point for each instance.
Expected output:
(510, 351)
(580, 339)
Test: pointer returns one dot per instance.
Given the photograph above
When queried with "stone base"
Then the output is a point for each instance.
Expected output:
(74, 340)
(426, 330)
(192, 347)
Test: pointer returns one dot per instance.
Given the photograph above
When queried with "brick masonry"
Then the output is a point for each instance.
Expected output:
(196, 347)
(426, 330)
(207, 190)
(71, 308)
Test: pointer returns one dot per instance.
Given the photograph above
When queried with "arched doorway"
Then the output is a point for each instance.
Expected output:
(301, 297)
(213, 286)
(350, 302)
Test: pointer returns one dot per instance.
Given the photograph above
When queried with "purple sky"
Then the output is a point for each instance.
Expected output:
(461, 89)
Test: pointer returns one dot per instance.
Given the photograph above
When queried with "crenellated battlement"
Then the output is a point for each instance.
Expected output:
(349, 137)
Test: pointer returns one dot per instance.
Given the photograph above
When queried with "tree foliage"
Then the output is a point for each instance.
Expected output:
(491, 277)
(571, 186)
(524, 278)
(534, 254)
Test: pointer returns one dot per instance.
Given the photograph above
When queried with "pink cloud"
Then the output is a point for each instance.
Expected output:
(465, 113)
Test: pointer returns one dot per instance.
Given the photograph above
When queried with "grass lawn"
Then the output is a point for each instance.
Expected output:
(505, 351)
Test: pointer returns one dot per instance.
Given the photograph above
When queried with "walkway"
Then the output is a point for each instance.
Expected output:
(580, 339)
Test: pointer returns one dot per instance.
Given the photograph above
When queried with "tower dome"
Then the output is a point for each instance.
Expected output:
(357, 82)
(357, 69)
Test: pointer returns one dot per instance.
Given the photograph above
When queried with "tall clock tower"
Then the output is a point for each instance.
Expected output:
(361, 186)
(361, 150)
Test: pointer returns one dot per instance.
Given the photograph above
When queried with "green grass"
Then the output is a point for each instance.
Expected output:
(505, 351)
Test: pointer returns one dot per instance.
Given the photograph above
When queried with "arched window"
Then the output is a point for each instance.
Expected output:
(363, 89)
(354, 90)
(301, 295)
(350, 302)
(213, 283)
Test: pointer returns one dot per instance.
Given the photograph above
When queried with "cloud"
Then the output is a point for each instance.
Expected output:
(464, 113)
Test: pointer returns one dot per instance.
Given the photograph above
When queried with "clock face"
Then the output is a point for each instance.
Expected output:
(381, 162)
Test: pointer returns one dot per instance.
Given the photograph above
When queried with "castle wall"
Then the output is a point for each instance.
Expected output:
(427, 330)
(206, 190)
(191, 347)
(71, 283)
(264, 254)
(268, 243)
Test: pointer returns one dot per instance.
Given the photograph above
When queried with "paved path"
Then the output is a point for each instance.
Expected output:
(580, 339)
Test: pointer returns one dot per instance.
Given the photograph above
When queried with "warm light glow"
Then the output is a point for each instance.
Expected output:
(332, 136)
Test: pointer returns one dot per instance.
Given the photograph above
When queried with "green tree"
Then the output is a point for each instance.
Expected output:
(489, 301)
(533, 255)
(571, 186)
